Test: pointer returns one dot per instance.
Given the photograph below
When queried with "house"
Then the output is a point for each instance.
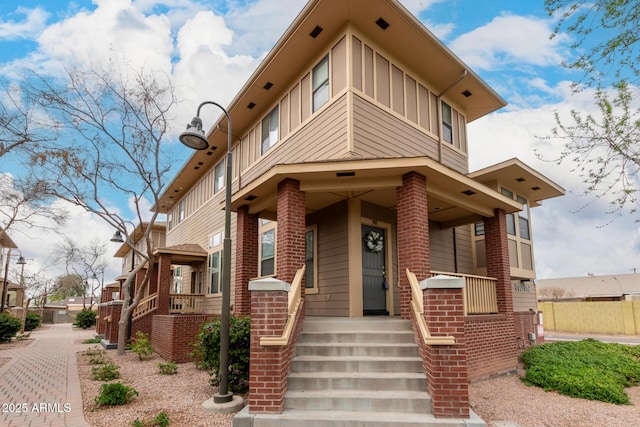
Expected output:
(13, 293)
(352, 199)
(618, 287)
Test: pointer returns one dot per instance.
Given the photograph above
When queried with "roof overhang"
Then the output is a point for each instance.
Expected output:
(454, 198)
(136, 235)
(517, 176)
(6, 242)
(183, 254)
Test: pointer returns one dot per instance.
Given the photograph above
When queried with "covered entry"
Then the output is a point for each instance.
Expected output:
(374, 280)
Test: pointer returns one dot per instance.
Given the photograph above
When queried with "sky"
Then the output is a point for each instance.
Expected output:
(210, 48)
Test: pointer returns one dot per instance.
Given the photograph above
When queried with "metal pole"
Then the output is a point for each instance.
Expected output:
(5, 285)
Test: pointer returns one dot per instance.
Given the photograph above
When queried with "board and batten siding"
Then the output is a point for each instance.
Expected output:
(332, 298)
(393, 90)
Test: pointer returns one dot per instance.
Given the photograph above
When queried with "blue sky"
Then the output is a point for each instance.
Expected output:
(506, 42)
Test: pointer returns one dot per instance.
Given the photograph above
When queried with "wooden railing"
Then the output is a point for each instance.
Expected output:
(417, 305)
(295, 300)
(145, 306)
(186, 303)
(479, 293)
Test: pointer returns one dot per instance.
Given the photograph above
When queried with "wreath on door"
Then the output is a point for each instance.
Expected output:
(374, 241)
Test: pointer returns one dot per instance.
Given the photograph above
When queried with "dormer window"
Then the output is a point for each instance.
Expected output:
(270, 130)
(320, 77)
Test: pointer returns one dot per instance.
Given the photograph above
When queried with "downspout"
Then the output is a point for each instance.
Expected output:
(439, 110)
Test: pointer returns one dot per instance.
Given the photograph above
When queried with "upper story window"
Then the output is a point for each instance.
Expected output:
(180, 211)
(213, 263)
(447, 123)
(218, 181)
(523, 219)
(320, 83)
(169, 221)
(270, 130)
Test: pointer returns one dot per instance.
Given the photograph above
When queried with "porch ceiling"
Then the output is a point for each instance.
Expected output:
(454, 199)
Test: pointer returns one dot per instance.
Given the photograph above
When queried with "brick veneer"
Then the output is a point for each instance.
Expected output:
(246, 259)
(101, 324)
(497, 255)
(491, 347)
(446, 365)
(413, 235)
(164, 278)
(114, 309)
(291, 229)
(172, 335)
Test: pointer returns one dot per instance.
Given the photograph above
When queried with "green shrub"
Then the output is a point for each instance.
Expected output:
(85, 319)
(92, 341)
(113, 394)
(32, 321)
(141, 346)
(587, 369)
(106, 372)
(206, 352)
(9, 327)
(161, 420)
(23, 337)
(169, 368)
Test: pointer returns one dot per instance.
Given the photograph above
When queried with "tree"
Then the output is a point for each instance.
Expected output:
(111, 127)
(604, 147)
(70, 285)
(554, 293)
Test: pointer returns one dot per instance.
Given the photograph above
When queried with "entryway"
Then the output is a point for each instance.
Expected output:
(374, 279)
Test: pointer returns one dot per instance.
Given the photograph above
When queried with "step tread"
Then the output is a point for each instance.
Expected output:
(356, 375)
(361, 416)
(364, 394)
(310, 358)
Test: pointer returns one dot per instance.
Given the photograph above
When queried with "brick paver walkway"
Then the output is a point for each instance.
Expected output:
(40, 385)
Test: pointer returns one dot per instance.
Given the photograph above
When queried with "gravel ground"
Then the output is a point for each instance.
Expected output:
(503, 398)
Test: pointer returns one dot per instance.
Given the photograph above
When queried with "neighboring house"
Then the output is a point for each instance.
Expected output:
(14, 291)
(619, 287)
(350, 179)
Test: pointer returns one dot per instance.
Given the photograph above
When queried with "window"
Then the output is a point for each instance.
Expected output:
(270, 130)
(320, 83)
(169, 221)
(218, 181)
(267, 252)
(511, 224)
(180, 211)
(523, 219)
(447, 127)
(177, 280)
(213, 262)
(310, 259)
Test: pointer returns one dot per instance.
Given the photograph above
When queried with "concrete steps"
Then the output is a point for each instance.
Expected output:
(352, 373)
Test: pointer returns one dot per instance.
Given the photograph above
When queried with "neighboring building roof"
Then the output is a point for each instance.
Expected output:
(594, 286)
(136, 235)
(521, 178)
(6, 242)
(409, 40)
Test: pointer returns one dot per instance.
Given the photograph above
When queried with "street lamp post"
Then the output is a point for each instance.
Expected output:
(5, 284)
(194, 137)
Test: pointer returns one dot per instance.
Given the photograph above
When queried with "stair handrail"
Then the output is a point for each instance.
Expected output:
(146, 305)
(294, 304)
(417, 303)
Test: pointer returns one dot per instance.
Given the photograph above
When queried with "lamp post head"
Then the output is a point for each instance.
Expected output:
(117, 237)
(21, 261)
(193, 137)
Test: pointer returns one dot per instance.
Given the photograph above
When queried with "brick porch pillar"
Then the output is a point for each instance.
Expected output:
(497, 255)
(291, 228)
(446, 365)
(164, 283)
(246, 259)
(413, 235)
(269, 364)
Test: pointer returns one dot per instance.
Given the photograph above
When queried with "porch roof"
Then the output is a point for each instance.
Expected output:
(454, 198)
(184, 254)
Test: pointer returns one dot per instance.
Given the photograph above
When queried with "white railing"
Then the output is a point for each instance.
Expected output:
(186, 303)
(417, 304)
(479, 293)
(295, 300)
(145, 306)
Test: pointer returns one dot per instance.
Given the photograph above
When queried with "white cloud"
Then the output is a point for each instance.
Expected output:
(510, 40)
(34, 22)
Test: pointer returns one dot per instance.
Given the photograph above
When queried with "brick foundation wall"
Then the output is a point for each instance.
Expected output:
(172, 335)
(491, 345)
(111, 330)
(142, 324)
(524, 324)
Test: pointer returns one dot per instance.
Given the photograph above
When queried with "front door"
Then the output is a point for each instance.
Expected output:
(374, 283)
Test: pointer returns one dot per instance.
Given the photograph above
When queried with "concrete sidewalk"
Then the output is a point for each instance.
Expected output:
(40, 384)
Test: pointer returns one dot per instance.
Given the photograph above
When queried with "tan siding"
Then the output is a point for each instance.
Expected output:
(424, 106)
(398, 90)
(356, 63)
(339, 67)
(527, 256)
(464, 250)
(513, 253)
(323, 138)
(524, 298)
(380, 134)
(368, 72)
(294, 113)
(383, 90)
(332, 298)
(454, 159)
(441, 248)
(285, 117)
(412, 99)
(305, 97)
(433, 113)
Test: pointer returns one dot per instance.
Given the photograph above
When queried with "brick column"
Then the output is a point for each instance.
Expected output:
(268, 365)
(164, 283)
(246, 259)
(413, 235)
(101, 324)
(291, 229)
(446, 365)
(114, 309)
(497, 254)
